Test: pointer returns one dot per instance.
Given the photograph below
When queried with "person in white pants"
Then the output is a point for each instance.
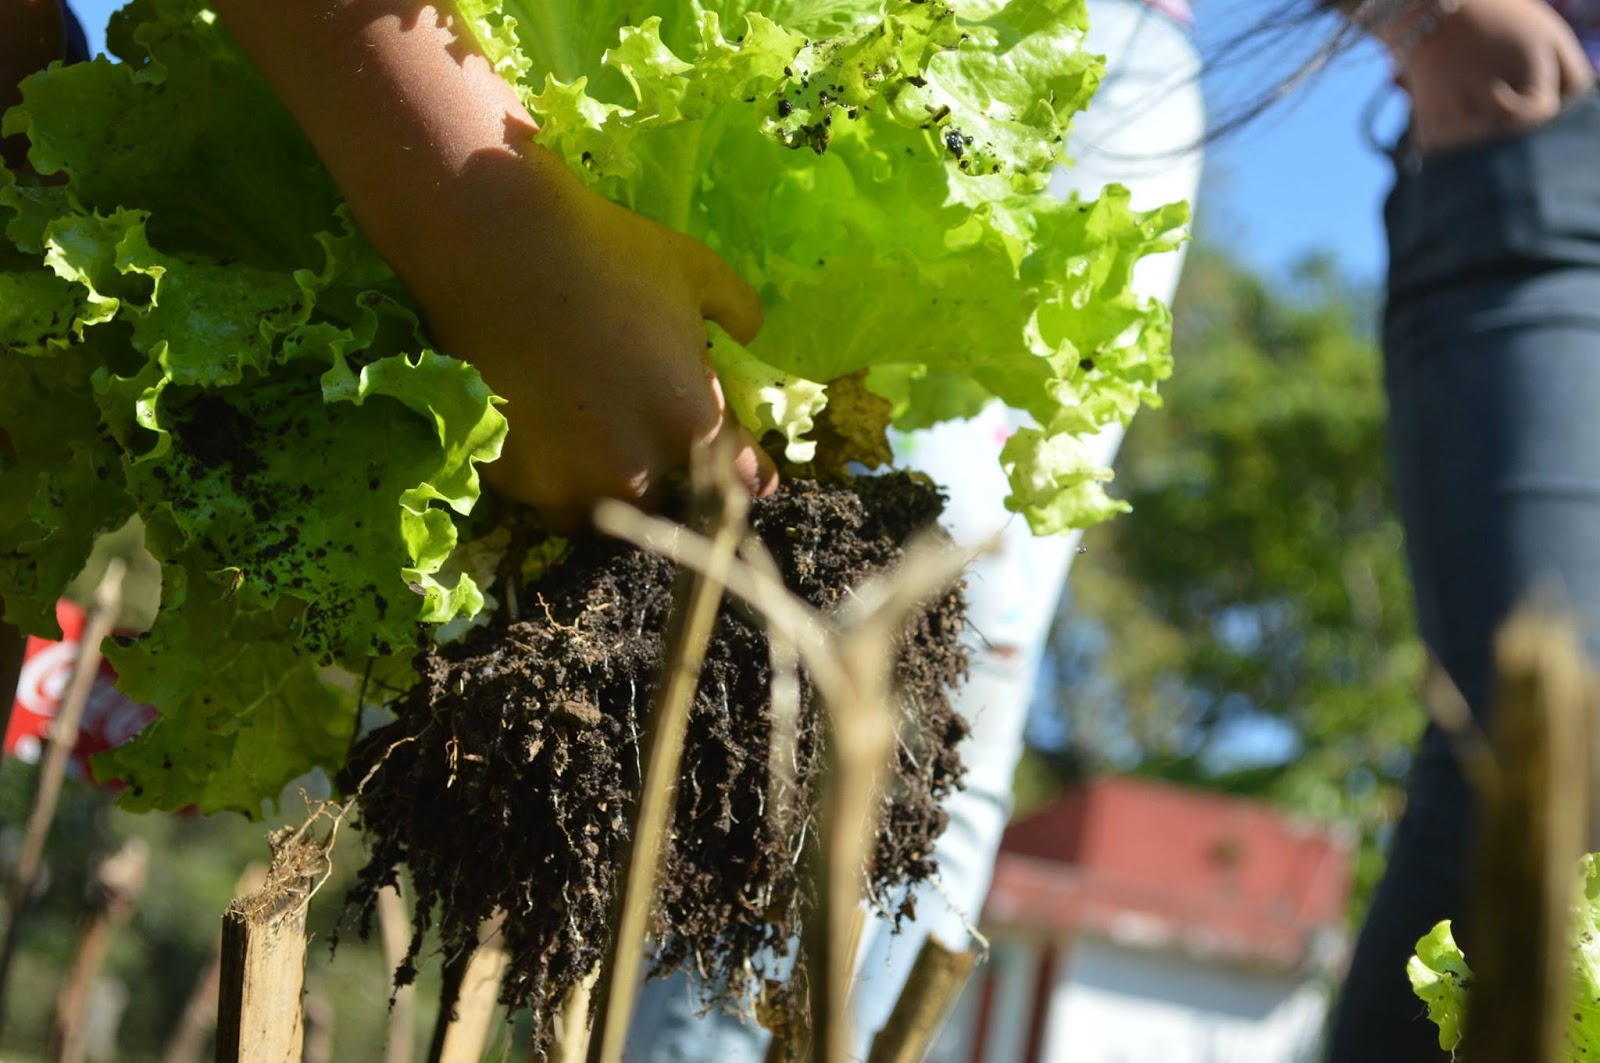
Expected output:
(1143, 130)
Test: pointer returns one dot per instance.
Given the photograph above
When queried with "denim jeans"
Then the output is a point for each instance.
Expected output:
(1143, 130)
(1492, 363)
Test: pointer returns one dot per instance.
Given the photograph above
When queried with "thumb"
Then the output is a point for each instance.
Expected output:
(752, 465)
(1539, 103)
(1577, 70)
(724, 296)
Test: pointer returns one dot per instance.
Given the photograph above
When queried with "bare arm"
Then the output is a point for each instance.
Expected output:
(587, 317)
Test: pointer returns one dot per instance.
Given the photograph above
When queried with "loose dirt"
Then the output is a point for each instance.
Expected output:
(508, 779)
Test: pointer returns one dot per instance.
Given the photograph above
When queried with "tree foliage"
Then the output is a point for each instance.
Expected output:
(1249, 628)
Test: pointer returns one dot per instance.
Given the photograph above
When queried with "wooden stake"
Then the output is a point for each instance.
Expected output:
(119, 880)
(394, 927)
(97, 627)
(931, 990)
(1534, 828)
(199, 1016)
(849, 658)
(467, 1008)
(571, 1035)
(698, 600)
(260, 1017)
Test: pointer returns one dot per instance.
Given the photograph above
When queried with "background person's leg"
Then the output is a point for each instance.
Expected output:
(1493, 362)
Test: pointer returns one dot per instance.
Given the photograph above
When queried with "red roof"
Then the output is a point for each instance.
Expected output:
(1154, 864)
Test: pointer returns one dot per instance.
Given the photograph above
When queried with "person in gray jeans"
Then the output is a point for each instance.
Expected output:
(1491, 340)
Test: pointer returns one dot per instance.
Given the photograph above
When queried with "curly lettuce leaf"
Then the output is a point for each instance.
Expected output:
(192, 330)
(1442, 980)
(205, 749)
(201, 337)
(1440, 977)
(765, 399)
(1584, 1033)
(905, 232)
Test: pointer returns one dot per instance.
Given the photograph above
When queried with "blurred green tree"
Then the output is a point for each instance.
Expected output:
(1249, 627)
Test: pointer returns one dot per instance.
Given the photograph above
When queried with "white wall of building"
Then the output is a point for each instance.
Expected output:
(1116, 1004)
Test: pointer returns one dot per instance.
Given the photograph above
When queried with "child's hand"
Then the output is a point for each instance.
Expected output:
(589, 320)
(586, 317)
(1492, 69)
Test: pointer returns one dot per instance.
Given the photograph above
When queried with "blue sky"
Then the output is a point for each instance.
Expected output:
(1302, 178)
(1297, 181)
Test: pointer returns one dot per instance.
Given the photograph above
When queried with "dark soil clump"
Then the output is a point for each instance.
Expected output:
(508, 780)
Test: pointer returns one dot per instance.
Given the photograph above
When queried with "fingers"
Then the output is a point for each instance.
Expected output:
(1577, 72)
(752, 465)
(1522, 110)
(724, 296)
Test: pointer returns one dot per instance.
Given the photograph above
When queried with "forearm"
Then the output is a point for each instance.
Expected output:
(588, 319)
(399, 102)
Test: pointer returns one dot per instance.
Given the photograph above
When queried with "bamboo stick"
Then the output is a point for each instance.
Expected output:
(119, 880)
(53, 770)
(260, 1017)
(1534, 828)
(936, 980)
(572, 1022)
(470, 998)
(699, 597)
(394, 928)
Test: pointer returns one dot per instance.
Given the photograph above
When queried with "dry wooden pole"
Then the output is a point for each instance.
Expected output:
(931, 990)
(571, 1034)
(53, 771)
(199, 1016)
(119, 880)
(467, 1010)
(260, 1017)
(394, 927)
(861, 740)
(723, 506)
(848, 658)
(1534, 828)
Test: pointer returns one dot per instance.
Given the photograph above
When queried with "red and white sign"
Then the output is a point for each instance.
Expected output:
(109, 719)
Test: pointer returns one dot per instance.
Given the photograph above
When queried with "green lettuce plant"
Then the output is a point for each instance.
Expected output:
(1442, 979)
(193, 331)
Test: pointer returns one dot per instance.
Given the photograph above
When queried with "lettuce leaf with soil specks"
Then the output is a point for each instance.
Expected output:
(1442, 980)
(193, 332)
(904, 229)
